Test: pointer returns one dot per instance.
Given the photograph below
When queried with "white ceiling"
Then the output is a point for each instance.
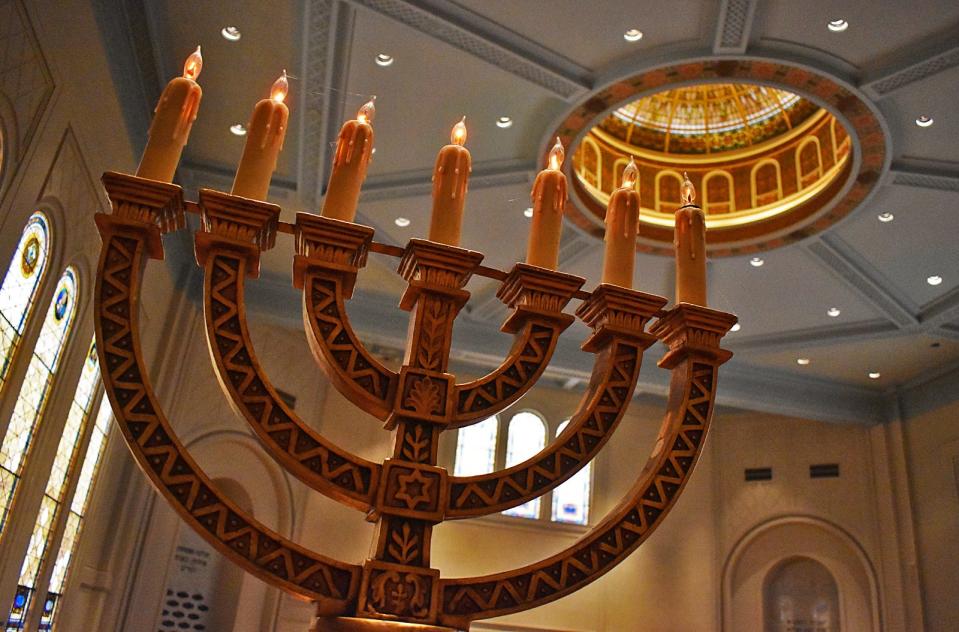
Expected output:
(487, 58)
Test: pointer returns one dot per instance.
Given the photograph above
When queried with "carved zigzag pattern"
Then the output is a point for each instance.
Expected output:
(166, 462)
(598, 414)
(481, 598)
(340, 346)
(512, 379)
(323, 466)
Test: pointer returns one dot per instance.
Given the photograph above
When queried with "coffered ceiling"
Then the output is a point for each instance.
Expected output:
(535, 61)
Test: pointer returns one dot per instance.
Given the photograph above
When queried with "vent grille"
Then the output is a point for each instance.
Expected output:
(824, 470)
(758, 474)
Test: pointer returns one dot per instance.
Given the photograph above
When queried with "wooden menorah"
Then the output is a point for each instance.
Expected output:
(407, 494)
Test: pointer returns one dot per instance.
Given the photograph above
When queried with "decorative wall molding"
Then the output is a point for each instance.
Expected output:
(910, 175)
(890, 80)
(734, 26)
(486, 40)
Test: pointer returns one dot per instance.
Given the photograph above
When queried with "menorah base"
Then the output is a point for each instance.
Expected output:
(350, 624)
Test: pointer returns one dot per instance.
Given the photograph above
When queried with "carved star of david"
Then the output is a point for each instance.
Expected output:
(414, 488)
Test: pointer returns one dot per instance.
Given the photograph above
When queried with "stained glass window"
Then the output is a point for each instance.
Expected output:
(526, 436)
(19, 288)
(78, 508)
(476, 448)
(35, 391)
(571, 499)
(64, 465)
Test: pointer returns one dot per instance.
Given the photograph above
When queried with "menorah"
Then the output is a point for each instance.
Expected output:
(408, 493)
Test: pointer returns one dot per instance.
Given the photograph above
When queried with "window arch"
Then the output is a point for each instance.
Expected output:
(800, 595)
(667, 187)
(767, 182)
(19, 289)
(571, 499)
(808, 162)
(718, 192)
(476, 448)
(525, 437)
(592, 169)
(35, 390)
(64, 467)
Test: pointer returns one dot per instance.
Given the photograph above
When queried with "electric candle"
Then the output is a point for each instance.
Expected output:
(549, 201)
(690, 243)
(172, 119)
(264, 140)
(450, 178)
(622, 221)
(353, 150)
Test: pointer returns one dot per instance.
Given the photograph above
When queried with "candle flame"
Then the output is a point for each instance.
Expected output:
(458, 135)
(367, 112)
(281, 87)
(556, 155)
(630, 175)
(193, 65)
(687, 192)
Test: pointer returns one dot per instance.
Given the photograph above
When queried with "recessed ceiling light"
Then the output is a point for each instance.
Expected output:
(735, 328)
(874, 375)
(528, 212)
(886, 217)
(802, 361)
(382, 59)
(238, 130)
(402, 222)
(756, 262)
(633, 35)
(833, 312)
(504, 122)
(838, 26)
(934, 279)
(373, 151)
(924, 121)
(231, 33)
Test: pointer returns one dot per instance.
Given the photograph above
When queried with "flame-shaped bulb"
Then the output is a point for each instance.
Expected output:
(458, 135)
(367, 111)
(556, 155)
(193, 65)
(281, 87)
(630, 175)
(687, 192)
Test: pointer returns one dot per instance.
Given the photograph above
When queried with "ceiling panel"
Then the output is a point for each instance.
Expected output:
(235, 74)
(918, 243)
(898, 360)
(936, 97)
(876, 34)
(429, 86)
(591, 33)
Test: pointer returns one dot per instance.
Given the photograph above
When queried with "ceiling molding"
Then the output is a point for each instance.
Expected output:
(420, 181)
(947, 331)
(734, 26)
(942, 311)
(929, 392)
(815, 337)
(889, 80)
(867, 282)
(925, 176)
(486, 40)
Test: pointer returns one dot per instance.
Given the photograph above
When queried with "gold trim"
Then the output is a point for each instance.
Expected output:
(698, 159)
(738, 218)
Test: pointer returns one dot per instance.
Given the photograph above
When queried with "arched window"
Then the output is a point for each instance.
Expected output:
(808, 162)
(526, 436)
(767, 182)
(571, 499)
(667, 187)
(476, 448)
(64, 465)
(591, 164)
(19, 288)
(800, 595)
(35, 391)
(718, 193)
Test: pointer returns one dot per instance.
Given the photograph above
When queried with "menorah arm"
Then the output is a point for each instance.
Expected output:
(692, 334)
(329, 254)
(536, 297)
(301, 450)
(141, 209)
(615, 372)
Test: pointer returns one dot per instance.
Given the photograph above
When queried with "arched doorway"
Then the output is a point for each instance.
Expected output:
(800, 595)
